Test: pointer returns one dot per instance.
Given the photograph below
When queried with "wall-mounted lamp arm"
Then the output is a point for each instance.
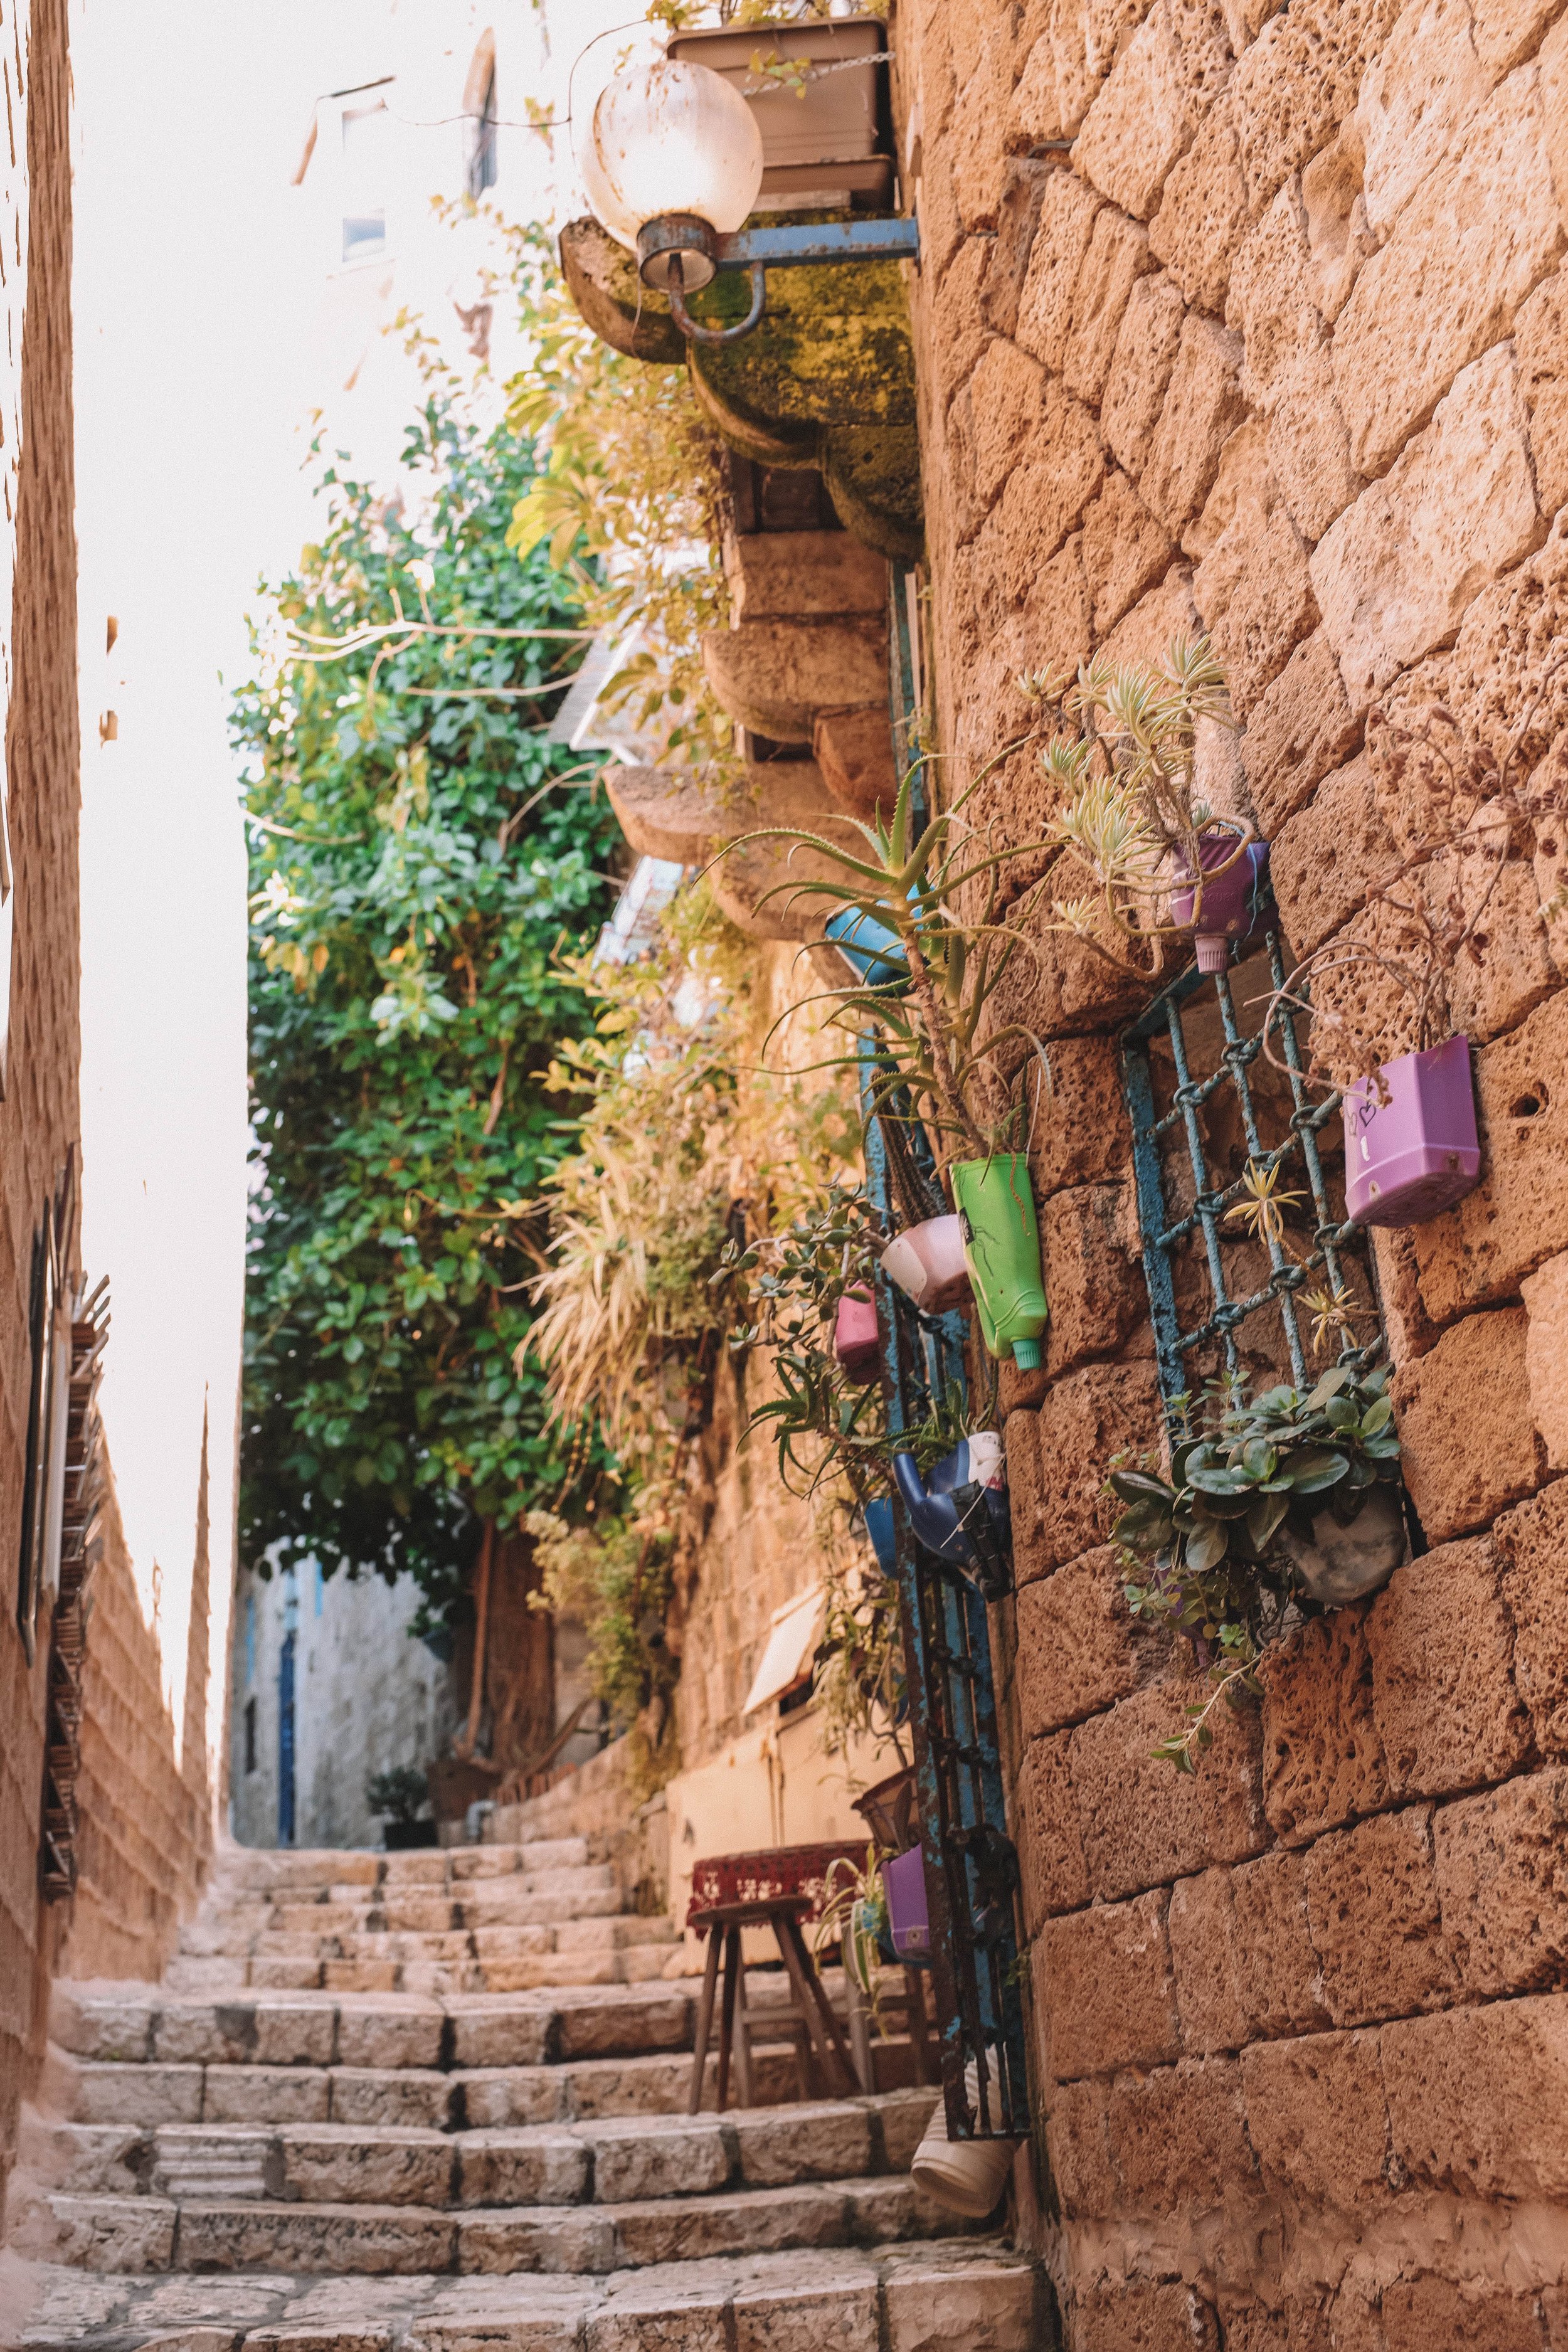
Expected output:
(681, 253)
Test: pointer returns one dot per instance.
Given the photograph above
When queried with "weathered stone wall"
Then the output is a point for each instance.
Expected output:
(1254, 318)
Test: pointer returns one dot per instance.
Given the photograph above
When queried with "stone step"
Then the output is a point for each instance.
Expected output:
(151, 2232)
(463, 1970)
(250, 1870)
(99, 2091)
(949, 2295)
(601, 2163)
(146, 2023)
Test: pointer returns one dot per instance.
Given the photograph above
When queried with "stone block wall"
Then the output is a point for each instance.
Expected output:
(1253, 318)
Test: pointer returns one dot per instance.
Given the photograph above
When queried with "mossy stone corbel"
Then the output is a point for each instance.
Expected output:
(602, 279)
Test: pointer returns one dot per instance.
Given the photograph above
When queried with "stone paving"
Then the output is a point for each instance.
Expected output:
(297, 2141)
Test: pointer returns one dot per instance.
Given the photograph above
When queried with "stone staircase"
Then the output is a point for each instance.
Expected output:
(439, 2100)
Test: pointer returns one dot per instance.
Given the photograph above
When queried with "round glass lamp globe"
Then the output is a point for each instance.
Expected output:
(671, 138)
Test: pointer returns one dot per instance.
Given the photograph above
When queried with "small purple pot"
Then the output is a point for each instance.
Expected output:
(1234, 905)
(1413, 1157)
(909, 1923)
(854, 1340)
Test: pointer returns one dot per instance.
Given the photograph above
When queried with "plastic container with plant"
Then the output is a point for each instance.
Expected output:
(400, 1795)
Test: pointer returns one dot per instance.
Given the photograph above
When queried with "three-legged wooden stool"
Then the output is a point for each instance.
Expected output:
(721, 1924)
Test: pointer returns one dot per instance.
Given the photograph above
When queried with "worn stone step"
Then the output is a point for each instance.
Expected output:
(246, 1873)
(948, 2296)
(151, 2232)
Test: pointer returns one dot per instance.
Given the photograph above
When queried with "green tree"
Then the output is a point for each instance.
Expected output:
(421, 855)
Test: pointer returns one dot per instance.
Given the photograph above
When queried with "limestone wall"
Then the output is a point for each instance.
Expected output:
(1255, 318)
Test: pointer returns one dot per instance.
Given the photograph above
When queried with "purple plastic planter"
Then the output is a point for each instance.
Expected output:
(854, 1340)
(1232, 905)
(1414, 1156)
(909, 1922)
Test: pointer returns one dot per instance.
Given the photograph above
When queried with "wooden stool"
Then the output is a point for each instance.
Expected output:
(722, 1926)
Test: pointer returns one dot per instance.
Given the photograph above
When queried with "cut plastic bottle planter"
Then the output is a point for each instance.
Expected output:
(1413, 1157)
(908, 1919)
(1002, 1245)
(854, 1340)
(1235, 903)
(959, 1509)
(927, 1264)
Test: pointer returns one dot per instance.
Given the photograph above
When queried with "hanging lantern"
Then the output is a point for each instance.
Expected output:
(674, 144)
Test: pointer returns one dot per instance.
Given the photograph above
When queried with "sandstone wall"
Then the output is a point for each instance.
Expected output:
(1255, 318)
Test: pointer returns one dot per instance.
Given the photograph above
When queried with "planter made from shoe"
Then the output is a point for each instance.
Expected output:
(1002, 1247)
(1233, 904)
(1413, 1157)
(856, 1343)
(928, 1263)
(959, 1509)
(1346, 1560)
(908, 1919)
(967, 2176)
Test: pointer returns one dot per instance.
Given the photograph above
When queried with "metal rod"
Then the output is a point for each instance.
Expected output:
(815, 242)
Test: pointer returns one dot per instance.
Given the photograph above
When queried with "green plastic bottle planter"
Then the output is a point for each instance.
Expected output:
(1002, 1245)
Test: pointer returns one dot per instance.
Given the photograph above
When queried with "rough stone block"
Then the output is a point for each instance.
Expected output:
(855, 753)
(1309, 446)
(1044, 489)
(1245, 1964)
(1506, 31)
(1441, 1646)
(1078, 1650)
(1140, 370)
(495, 2033)
(1476, 236)
(270, 2094)
(1080, 2151)
(1416, 96)
(1104, 1979)
(1502, 1879)
(1125, 552)
(1317, 2116)
(1051, 1862)
(1299, 80)
(1477, 2098)
(1271, 301)
(1136, 2316)
(95, 2092)
(1254, 593)
(1087, 1417)
(793, 2319)
(1157, 93)
(959, 327)
(1005, 403)
(1326, 856)
(1518, 1215)
(411, 2097)
(1467, 1440)
(344, 2165)
(1545, 1295)
(938, 2308)
(1178, 2138)
(378, 2034)
(774, 676)
(1422, 2312)
(1202, 407)
(105, 2026)
(1322, 1752)
(817, 2141)
(1094, 1276)
(1142, 1821)
(530, 2168)
(1202, 214)
(798, 575)
(1087, 1135)
(1202, 1929)
(653, 2020)
(1371, 1904)
(1065, 225)
(1394, 575)
(1533, 1543)
(1541, 347)
(1519, 969)
(1299, 730)
(1117, 255)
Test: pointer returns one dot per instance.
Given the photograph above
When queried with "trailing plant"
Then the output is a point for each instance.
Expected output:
(854, 1916)
(629, 503)
(1481, 804)
(1123, 755)
(858, 1679)
(1206, 1549)
(419, 849)
(612, 1574)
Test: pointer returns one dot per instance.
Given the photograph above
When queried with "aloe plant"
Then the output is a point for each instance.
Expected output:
(1206, 1549)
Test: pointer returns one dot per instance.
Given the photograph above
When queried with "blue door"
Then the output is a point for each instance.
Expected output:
(286, 1742)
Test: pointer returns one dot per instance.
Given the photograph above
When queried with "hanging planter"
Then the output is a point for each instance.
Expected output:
(1236, 904)
(878, 1517)
(856, 1344)
(1344, 1559)
(927, 1262)
(874, 953)
(1002, 1249)
(909, 1919)
(887, 1810)
(1414, 1156)
(960, 1510)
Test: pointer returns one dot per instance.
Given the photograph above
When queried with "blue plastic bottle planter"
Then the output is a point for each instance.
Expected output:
(960, 1510)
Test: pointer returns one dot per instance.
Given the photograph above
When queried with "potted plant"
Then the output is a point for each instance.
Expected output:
(857, 1344)
(1274, 1506)
(1235, 903)
(399, 1794)
(959, 1509)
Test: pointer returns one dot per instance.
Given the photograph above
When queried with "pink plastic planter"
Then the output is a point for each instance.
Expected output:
(909, 1922)
(854, 1340)
(1414, 1156)
(1232, 905)
(927, 1262)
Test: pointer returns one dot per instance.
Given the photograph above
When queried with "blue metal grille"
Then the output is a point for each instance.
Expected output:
(1186, 1343)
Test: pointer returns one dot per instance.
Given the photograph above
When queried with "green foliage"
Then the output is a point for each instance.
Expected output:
(400, 1794)
(612, 1575)
(1208, 1549)
(419, 853)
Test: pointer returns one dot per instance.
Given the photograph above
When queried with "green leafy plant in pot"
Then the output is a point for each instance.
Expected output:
(400, 1794)
(1275, 1507)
